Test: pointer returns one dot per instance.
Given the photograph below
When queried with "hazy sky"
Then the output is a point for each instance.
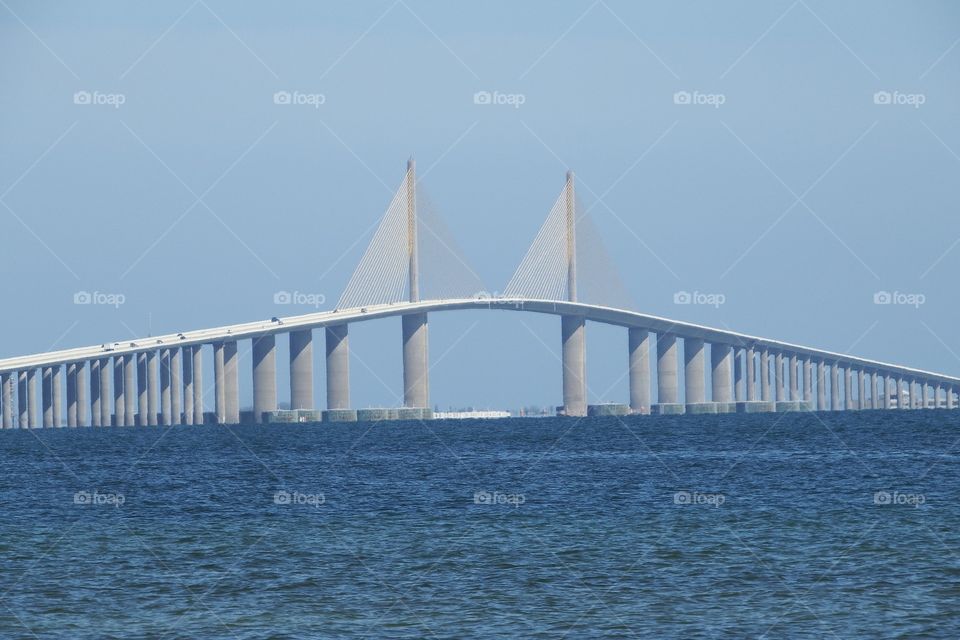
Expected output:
(786, 184)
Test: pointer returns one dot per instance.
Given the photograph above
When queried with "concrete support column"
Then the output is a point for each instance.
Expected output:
(153, 383)
(739, 388)
(105, 415)
(751, 375)
(264, 377)
(220, 385)
(638, 344)
(808, 382)
(765, 375)
(835, 387)
(848, 388)
(925, 394)
(197, 352)
(165, 412)
(129, 390)
(143, 400)
(301, 369)
(46, 395)
(888, 392)
(95, 400)
(56, 390)
(6, 382)
(23, 420)
(338, 366)
(874, 394)
(231, 376)
(176, 388)
(33, 417)
(720, 358)
(949, 397)
(667, 371)
(187, 357)
(119, 404)
(82, 420)
(72, 394)
(778, 376)
(694, 372)
(862, 391)
(416, 387)
(821, 386)
(573, 329)
(903, 403)
(937, 393)
(794, 378)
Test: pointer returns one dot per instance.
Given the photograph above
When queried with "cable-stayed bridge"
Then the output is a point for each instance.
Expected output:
(412, 268)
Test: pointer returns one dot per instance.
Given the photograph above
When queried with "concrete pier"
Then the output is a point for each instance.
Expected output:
(72, 394)
(231, 389)
(739, 388)
(176, 388)
(925, 395)
(6, 383)
(937, 393)
(22, 416)
(821, 386)
(338, 367)
(220, 384)
(153, 384)
(82, 420)
(638, 344)
(902, 389)
(721, 356)
(143, 409)
(751, 375)
(835, 387)
(573, 329)
(46, 395)
(848, 388)
(56, 389)
(95, 399)
(694, 372)
(808, 382)
(186, 354)
(778, 376)
(33, 418)
(165, 412)
(129, 390)
(301, 369)
(264, 377)
(887, 383)
(949, 397)
(119, 405)
(667, 372)
(104, 387)
(874, 394)
(862, 395)
(197, 352)
(765, 375)
(794, 379)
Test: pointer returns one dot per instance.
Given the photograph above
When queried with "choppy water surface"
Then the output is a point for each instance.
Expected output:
(816, 525)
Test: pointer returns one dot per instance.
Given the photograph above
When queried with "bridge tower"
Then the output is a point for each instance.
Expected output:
(572, 327)
(415, 362)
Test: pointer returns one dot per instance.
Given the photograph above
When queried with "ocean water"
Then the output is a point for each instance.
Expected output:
(781, 526)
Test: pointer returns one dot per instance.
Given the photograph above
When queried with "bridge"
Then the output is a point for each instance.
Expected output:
(159, 380)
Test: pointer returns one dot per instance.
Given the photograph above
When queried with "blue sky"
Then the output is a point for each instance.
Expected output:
(798, 198)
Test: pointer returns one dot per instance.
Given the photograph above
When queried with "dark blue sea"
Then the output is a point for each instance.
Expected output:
(768, 526)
